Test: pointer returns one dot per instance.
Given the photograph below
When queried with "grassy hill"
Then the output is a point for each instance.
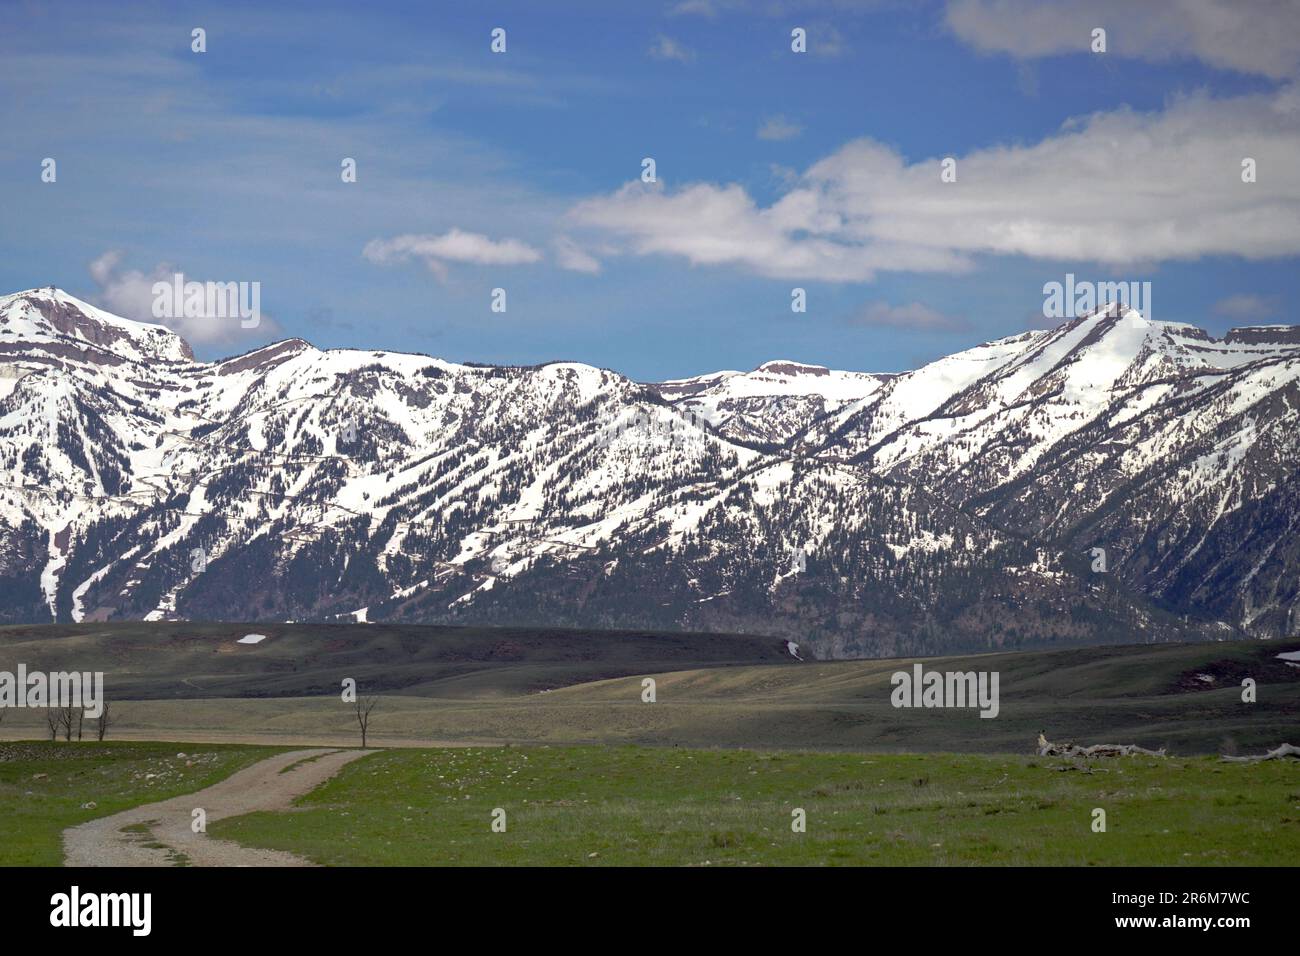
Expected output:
(177, 681)
(146, 661)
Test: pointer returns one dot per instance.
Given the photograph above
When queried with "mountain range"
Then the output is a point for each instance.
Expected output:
(1110, 480)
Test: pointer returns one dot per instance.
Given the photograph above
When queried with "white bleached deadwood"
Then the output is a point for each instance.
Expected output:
(1048, 749)
(1285, 750)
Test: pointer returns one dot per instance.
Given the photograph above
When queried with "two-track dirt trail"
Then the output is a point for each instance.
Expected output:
(161, 832)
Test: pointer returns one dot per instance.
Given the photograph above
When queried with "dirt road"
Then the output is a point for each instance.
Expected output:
(161, 833)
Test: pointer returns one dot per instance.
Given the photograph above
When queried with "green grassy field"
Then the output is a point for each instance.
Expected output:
(45, 787)
(671, 806)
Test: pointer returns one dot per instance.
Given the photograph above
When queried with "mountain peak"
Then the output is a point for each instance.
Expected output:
(54, 321)
(265, 356)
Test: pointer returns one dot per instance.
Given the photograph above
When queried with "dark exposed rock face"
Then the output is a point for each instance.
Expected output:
(1266, 334)
(71, 321)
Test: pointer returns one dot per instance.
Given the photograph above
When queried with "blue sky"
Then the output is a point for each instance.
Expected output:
(521, 170)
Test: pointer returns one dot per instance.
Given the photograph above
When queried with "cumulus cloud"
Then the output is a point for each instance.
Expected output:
(1252, 36)
(130, 294)
(453, 246)
(913, 316)
(666, 48)
(569, 255)
(1247, 307)
(721, 225)
(1110, 188)
(778, 128)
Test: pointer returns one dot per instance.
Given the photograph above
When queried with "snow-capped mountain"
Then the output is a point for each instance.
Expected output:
(1110, 480)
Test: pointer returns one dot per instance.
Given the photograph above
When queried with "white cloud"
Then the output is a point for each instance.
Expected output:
(778, 128)
(721, 225)
(1113, 188)
(824, 39)
(913, 316)
(703, 8)
(129, 293)
(569, 255)
(666, 48)
(1253, 36)
(1247, 307)
(770, 8)
(102, 269)
(455, 245)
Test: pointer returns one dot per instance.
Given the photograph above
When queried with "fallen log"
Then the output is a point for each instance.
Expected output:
(1286, 750)
(1048, 749)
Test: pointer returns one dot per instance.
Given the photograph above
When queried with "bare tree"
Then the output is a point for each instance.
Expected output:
(364, 707)
(66, 717)
(102, 724)
(53, 719)
(81, 719)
